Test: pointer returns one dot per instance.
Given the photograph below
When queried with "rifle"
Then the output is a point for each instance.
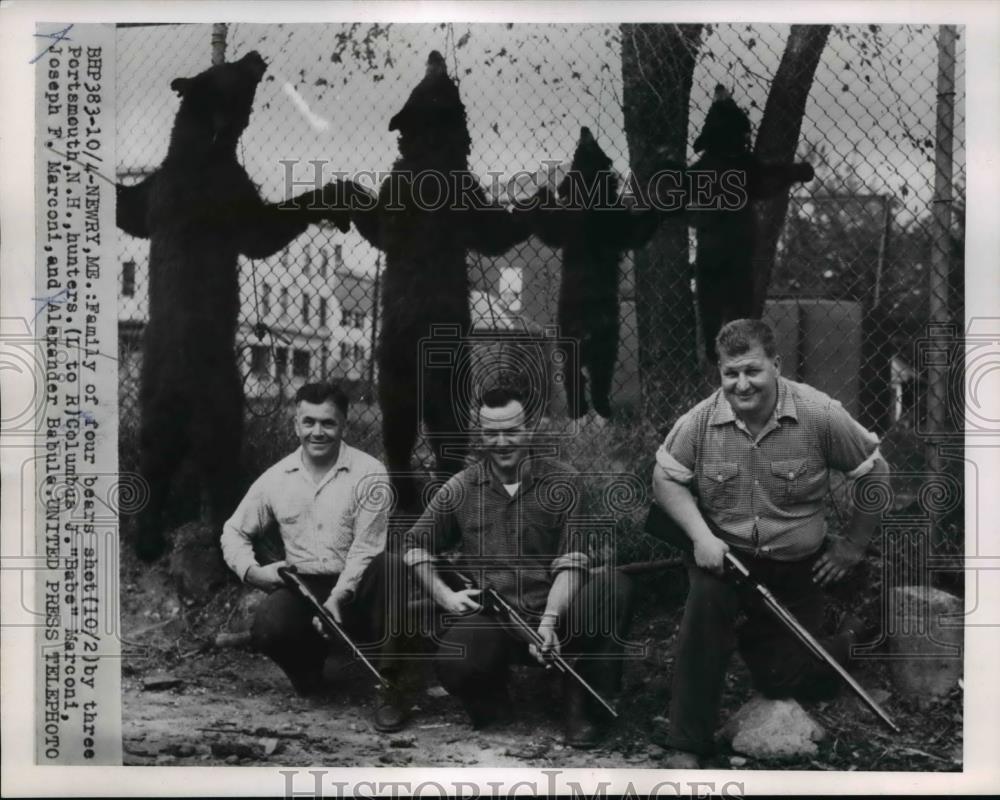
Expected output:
(291, 578)
(661, 526)
(497, 604)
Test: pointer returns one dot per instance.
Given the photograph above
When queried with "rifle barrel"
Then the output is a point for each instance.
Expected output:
(804, 636)
(660, 525)
(556, 658)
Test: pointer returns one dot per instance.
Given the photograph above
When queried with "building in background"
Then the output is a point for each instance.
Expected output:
(305, 316)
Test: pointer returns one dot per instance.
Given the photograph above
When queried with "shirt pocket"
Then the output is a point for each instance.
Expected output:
(289, 521)
(542, 536)
(790, 481)
(719, 484)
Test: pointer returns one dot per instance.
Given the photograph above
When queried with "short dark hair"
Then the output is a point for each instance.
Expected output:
(317, 393)
(739, 336)
(499, 396)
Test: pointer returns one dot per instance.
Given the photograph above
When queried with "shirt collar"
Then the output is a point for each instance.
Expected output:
(531, 468)
(345, 458)
(784, 407)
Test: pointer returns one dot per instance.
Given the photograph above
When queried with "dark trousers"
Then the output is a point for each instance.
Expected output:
(779, 664)
(475, 652)
(283, 629)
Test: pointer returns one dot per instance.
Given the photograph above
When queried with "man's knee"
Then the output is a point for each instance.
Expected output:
(278, 621)
(385, 585)
(470, 656)
(789, 671)
(455, 672)
(612, 584)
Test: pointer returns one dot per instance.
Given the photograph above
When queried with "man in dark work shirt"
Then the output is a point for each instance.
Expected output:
(509, 517)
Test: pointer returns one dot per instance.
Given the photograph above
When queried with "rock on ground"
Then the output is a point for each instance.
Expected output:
(925, 645)
(765, 728)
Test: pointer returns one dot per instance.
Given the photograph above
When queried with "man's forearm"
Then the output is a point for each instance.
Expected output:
(430, 580)
(237, 551)
(863, 523)
(564, 588)
(679, 504)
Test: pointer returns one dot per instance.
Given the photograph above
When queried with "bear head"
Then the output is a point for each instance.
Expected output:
(727, 128)
(590, 179)
(432, 124)
(215, 105)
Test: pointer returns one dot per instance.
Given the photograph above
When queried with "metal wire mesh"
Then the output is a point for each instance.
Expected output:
(850, 284)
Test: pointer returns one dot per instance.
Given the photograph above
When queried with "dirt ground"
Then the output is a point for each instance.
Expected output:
(189, 702)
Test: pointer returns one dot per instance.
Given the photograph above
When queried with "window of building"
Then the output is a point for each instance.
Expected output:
(128, 278)
(359, 354)
(324, 260)
(306, 259)
(280, 362)
(359, 319)
(265, 299)
(300, 364)
(338, 256)
(345, 317)
(260, 360)
(345, 351)
(322, 312)
(305, 309)
(284, 300)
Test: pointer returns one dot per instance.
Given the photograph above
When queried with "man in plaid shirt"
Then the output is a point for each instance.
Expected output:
(748, 469)
(509, 520)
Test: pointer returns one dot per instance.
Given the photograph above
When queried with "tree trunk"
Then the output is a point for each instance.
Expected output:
(658, 63)
(778, 138)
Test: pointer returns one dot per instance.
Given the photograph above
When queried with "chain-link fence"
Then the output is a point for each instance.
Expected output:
(858, 267)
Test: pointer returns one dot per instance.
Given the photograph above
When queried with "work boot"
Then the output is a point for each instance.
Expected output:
(392, 710)
(582, 730)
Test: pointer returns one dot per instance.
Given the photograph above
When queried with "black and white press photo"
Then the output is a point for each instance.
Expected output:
(557, 392)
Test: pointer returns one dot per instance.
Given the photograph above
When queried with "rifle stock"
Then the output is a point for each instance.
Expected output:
(661, 526)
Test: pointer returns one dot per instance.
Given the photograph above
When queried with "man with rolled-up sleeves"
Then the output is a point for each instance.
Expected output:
(329, 502)
(748, 469)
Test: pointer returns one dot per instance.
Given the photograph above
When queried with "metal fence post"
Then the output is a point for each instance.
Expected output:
(937, 398)
(219, 30)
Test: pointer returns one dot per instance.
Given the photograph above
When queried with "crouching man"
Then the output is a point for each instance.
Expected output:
(329, 502)
(748, 469)
(509, 520)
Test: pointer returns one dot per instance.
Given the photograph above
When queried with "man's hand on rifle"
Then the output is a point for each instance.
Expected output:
(335, 605)
(266, 577)
(710, 553)
(550, 639)
(461, 602)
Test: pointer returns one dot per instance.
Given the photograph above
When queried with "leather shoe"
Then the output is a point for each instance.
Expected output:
(391, 711)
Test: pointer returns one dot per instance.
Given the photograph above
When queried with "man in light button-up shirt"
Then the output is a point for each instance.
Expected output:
(329, 502)
(748, 469)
